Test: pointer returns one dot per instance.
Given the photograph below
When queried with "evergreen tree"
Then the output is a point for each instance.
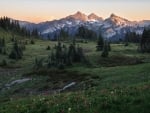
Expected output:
(59, 51)
(63, 56)
(109, 46)
(72, 53)
(126, 39)
(48, 37)
(16, 52)
(3, 42)
(79, 54)
(85, 33)
(63, 35)
(100, 43)
(3, 63)
(34, 33)
(32, 41)
(38, 63)
(13, 26)
(131, 37)
(2, 46)
(48, 47)
(145, 41)
(53, 58)
(105, 51)
(4, 52)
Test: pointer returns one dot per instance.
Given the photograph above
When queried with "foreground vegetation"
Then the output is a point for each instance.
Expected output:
(127, 100)
(120, 89)
(118, 83)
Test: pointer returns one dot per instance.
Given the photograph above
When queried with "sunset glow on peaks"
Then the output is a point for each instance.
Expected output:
(46, 10)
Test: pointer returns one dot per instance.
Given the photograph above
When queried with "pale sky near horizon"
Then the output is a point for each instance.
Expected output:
(44, 10)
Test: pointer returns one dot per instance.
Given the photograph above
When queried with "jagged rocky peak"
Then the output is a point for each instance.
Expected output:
(79, 16)
(113, 15)
(93, 16)
(78, 13)
(118, 20)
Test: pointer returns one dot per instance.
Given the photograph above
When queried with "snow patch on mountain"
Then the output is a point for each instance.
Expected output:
(113, 27)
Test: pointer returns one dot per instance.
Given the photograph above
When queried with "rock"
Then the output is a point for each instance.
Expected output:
(17, 82)
(69, 85)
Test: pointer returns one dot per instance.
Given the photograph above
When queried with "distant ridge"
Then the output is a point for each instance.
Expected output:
(113, 27)
(81, 16)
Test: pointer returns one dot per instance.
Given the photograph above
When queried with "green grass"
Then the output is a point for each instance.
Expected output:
(109, 90)
(117, 84)
(127, 100)
(38, 50)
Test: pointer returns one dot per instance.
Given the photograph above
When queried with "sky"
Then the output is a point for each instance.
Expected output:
(46, 10)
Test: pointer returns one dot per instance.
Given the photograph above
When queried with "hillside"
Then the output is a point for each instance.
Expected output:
(110, 84)
(113, 27)
(79, 75)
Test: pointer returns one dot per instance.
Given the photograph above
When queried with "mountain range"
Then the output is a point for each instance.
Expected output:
(113, 28)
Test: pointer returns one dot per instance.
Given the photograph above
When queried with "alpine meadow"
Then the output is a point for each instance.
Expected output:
(60, 56)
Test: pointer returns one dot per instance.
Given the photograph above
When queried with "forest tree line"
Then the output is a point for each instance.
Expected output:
(13, 26)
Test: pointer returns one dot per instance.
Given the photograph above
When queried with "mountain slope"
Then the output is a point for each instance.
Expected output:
(113, 27)
(93, 16)
(78, 16)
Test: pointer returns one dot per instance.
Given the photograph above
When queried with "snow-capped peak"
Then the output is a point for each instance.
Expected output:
(113, 16)
(83, 17)
(119, 21)
(79, 16)
(113, 27)
(93, 16)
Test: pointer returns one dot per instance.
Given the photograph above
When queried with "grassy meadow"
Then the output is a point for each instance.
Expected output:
(117, 84)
